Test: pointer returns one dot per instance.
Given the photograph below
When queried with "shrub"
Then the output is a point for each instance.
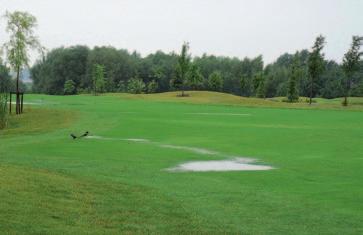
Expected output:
(152, 86)
(69, 87)
(135, 86)
(215, 81)
(121, 86)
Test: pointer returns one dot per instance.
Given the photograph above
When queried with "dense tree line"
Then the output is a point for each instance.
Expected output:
(160, 72)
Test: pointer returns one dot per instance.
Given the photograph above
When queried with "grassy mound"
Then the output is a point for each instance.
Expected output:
(208, 97)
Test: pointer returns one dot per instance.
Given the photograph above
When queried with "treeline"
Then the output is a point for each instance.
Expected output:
(71, 71)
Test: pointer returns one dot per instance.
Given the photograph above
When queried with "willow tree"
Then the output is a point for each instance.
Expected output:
(20, 27)
(351, 66)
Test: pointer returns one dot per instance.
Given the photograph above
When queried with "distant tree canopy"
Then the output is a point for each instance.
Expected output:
(158, 71)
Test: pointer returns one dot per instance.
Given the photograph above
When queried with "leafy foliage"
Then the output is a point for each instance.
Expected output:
(182, 68)
(259, 82)
(5, 84)
(20, 26)
(316, 63)
(122, 87)
(351, 66)
(76, 63)
(215, 81)
(292, 89)
(152, 87)
(195, 77)
(135, 86)
(69, 87)
(98, 78)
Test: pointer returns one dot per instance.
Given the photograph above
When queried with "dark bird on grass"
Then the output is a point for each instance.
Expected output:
(85, 134)
(73, 136)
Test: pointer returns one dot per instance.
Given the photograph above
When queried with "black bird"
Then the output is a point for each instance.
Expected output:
(73, 136)
(85, 134)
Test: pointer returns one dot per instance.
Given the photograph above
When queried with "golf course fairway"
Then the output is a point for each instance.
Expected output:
(118, 179)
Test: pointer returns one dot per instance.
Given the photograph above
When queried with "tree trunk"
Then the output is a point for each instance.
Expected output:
(345, 102)
(311, 92)
(347, 89)
(11, 95)
(17, 105)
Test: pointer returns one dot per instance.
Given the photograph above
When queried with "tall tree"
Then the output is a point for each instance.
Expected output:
(20, 26)
(215, 81)
(182, 68)
(194, 77)
(316, 63)
(69, 87)
(260, 87)
(351, 65)
(295, 73)
(98, 78)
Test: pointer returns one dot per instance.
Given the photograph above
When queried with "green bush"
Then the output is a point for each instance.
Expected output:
(69, 87)
(135, 86)
(215, 81)
(121, 86)
(152, 87)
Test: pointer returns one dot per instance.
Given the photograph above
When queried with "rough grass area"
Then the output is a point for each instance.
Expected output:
(38, 120)
(51, 184)
(73, 205)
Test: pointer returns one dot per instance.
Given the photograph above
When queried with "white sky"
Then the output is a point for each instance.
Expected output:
(222, 27)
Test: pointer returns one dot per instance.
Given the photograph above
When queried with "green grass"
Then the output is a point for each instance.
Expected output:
(205, 97)
(50, 184)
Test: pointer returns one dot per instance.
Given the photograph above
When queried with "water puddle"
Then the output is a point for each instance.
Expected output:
(108, 138)
(137, 140)
(232, 164)
(26, 103)
(36, 102)
(237, 164)
(190, 149)
(222, 114)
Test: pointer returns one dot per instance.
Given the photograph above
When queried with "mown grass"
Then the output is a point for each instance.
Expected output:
(50, 184)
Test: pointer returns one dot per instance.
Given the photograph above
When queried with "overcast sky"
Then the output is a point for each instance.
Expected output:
(222, 27)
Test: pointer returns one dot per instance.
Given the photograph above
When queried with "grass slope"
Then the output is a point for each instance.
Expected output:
(50, 184)
(207, 97)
